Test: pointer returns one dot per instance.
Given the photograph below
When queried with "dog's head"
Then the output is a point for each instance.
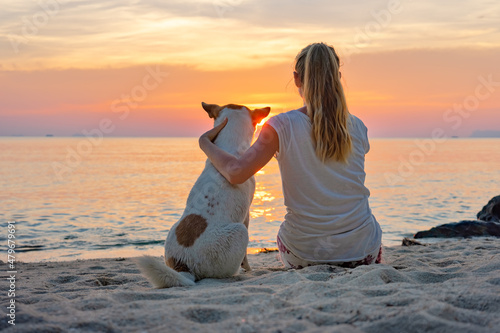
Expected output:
(215, 111)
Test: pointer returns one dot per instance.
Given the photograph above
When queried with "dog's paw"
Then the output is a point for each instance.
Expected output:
(246, 266)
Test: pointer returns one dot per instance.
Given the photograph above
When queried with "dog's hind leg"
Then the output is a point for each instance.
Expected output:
(245, 264)
(222, 255)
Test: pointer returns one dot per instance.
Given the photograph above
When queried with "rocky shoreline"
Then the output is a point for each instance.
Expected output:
(487, 224)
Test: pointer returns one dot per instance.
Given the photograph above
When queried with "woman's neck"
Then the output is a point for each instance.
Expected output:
(303, 110)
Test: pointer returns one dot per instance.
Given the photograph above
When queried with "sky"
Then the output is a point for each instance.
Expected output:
(142, 67)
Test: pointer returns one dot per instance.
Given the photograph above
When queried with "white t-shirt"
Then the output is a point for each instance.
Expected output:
(328, 217)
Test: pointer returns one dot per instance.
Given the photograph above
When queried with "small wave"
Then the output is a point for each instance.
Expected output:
(139, 243)
(70, 237)
(29, 248)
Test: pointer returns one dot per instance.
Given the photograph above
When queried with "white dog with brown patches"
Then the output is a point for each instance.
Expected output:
(210, 240)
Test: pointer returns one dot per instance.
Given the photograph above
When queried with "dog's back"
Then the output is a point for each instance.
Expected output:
(211, 238)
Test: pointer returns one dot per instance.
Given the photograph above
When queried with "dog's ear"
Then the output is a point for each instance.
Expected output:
(259, 114)
(212, 109)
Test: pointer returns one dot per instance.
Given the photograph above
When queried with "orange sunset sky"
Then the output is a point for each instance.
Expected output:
(408, 67)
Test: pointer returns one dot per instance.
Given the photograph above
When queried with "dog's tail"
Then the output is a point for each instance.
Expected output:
(162, 276)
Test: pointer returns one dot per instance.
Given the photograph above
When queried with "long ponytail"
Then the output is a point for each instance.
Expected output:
(318, 68)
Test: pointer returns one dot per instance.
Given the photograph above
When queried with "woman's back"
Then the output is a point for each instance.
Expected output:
(328, 216)
(321, 152)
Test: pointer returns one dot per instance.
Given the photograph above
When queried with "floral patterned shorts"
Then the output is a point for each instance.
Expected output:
(291, 261)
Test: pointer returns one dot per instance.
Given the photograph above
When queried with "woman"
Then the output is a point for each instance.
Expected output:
(321, 150)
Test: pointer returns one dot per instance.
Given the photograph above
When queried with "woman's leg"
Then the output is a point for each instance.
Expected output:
(379, 256)
(288, 258)
(291, 261)
(373, 258)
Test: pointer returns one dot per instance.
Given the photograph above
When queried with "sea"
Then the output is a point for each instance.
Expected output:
(80, 198)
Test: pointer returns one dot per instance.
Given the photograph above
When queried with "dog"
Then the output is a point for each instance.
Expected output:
(210, 240)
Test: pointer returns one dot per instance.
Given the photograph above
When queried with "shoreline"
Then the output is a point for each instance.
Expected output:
(128, 253)
(450, 286)
(117, 253)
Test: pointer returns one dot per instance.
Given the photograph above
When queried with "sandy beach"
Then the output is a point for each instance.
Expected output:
(451, 286)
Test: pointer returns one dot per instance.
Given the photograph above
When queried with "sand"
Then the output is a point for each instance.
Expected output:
(451, 286)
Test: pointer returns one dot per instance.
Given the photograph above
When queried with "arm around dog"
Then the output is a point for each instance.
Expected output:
(238, 170)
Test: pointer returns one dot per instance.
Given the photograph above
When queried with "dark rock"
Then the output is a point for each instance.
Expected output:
(410, 242)
(490, 212)
(462, 229)
(487, 224)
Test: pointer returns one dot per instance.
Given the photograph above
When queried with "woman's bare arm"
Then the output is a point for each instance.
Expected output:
(238, 170)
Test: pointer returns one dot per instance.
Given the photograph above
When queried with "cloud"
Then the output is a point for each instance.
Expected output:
(229, 34)
(396, 93)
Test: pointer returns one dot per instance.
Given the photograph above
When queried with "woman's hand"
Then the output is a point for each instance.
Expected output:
(211, 135)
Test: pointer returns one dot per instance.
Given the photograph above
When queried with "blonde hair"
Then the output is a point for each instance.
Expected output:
(318, 68)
